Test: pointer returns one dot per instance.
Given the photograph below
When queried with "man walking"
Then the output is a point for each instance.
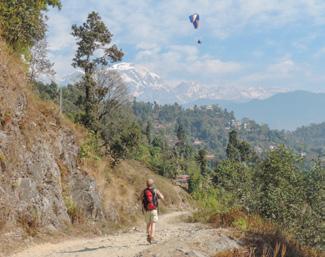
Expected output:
(151, 196)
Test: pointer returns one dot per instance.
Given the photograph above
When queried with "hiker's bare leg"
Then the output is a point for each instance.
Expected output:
(153, 227)
(149, 229)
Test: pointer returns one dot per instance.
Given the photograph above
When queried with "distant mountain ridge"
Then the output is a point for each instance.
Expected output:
(149, 86)
(280, 111)
(276, 107)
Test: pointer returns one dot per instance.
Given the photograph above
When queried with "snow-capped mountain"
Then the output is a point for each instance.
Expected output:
(138, 76)
(146, 85)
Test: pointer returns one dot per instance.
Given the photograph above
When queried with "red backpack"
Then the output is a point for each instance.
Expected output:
(150, 199)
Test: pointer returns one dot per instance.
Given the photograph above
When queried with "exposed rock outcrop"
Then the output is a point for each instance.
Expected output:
(38, 160)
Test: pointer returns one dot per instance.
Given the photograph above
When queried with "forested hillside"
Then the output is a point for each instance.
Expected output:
(310, 138)
(207, 127)
(204, 127)
(200, 127)
(286, 111)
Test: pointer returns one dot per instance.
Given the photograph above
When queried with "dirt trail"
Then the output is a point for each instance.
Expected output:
(175, 238)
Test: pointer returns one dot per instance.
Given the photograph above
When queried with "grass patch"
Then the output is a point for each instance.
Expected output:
(240, 223)
(74, 212)
(90, 149)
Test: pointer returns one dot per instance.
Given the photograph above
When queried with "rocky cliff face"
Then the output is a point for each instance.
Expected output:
(39, 172)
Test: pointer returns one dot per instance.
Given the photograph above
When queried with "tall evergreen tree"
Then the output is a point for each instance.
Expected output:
(181, 133)
(149, 131)
(239, 150)
(202, 160)
(280, 180)
(94, 50)
(232, 147)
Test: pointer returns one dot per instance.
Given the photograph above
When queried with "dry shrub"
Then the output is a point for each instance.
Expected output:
(3, 222)
(278, 251)
(4, 215)
(227, 219)
(5, 118)
(29, 221)
(233, 253)
(268, 240)
(63, 169)
(5, 212)
(2, 162)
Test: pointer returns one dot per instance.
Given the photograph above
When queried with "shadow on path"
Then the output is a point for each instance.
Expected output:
(86, 249)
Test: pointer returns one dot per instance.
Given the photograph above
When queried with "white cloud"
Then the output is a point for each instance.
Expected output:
(143, 18)
(158, 30)
(62, 65)
(153, 22)
(286, 73)
(284, 68)
(316, 9)
(213, 67)
(185, 61)
(319, 53)
(60, 32)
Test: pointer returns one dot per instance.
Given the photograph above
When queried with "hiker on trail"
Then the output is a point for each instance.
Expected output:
(151, 196)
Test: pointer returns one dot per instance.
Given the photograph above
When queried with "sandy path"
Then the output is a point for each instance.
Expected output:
(130, 244)
(122, 245)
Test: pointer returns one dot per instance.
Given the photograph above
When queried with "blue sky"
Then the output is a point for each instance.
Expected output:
(269, 44)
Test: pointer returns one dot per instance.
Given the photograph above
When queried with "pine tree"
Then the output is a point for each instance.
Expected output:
(239, 150)
(181, 133)
(232, 147)
(201, 159)
(93, 37)
(280, 187)
(149, 132)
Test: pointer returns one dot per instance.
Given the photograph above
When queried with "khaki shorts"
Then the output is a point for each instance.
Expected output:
(151, 216)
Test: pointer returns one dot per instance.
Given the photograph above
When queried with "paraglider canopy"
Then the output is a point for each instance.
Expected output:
(195, 20)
